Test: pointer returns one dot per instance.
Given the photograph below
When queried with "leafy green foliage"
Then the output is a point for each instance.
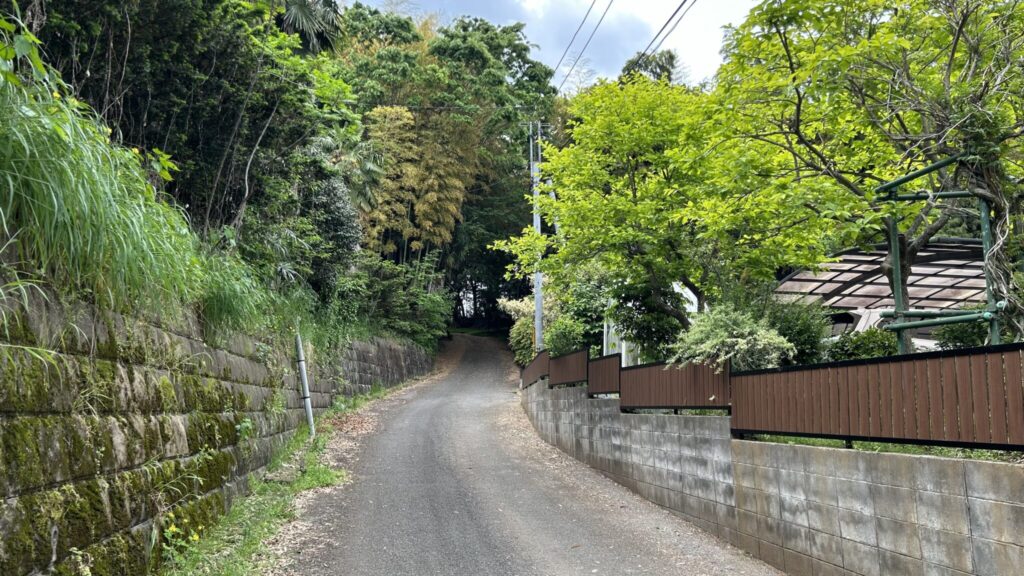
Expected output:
(404, 300)
(316, 21)
(572, 320)
(814, 81)
(967, 334)
(84, 212)
(566, 334)
(725, 335)
(804, 325)
(81, 210)
(443, 108)
(871, 343)
(662, 65)
(650, 192)
(520, 340)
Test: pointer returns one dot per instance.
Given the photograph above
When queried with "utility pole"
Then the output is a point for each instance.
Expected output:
(538, 280)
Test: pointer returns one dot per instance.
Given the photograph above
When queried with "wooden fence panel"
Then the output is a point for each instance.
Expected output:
(603, 375)
(997, 396)
(971, 397)
(1014, 396)
(536, 369)
(569, 369)
(661, 386)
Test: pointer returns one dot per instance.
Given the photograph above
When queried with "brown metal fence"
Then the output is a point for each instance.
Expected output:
(958, 397)
(536, 369)
(967, 397)
(661, 386)
(569, 368)
(603, 375)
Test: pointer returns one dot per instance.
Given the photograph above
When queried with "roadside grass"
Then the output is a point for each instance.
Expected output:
(234, 547)
(920, 450)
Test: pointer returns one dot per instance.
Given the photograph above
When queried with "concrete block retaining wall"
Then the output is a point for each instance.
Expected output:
(377, 362)
(804, 510)
(130, 421)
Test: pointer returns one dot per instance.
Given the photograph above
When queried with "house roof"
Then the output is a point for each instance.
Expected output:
(947, 274)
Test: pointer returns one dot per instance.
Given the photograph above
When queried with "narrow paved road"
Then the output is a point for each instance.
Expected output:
(454, 482)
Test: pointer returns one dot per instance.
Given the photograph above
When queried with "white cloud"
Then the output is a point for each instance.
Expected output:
(698, 37)
(628, 27)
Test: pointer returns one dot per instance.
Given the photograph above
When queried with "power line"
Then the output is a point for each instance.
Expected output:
(578, 28)
(591, 37)
(643, 53)
(673, 28)
(648, 52)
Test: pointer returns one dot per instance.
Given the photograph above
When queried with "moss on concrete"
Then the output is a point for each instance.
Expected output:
(138, 398)
(24, 465)
(80, 440)
(167, 394)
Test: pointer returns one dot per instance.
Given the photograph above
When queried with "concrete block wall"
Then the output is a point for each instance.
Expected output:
(376, 362)
(130, 421)
(804, 510)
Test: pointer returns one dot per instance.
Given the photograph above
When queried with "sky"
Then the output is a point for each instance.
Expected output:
(627, 28)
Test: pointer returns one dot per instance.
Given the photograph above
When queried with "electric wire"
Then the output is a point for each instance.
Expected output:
(643, 53)
(574, 34)
(584, 49)
(648, 52)
(672, 29)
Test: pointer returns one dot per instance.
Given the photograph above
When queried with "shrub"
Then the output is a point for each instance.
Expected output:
(520, 340)
(404, 299)
(871, 343)
(968, 334)
(564, 335)
(804, 325)
(727, 335)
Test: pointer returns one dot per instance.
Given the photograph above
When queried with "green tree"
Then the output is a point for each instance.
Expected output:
(316, 21)
(857, 92)
(662, 65)
(466, 88)
(390, 130)
(214, 83)
(650, 191)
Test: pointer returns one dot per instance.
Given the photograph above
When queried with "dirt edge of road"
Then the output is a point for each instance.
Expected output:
(348, 434)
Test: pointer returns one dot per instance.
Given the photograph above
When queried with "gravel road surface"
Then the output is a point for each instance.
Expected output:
(448, 478)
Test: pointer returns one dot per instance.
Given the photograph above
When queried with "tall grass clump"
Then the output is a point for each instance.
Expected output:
(85, 216)
(79, 208)
(234, 299)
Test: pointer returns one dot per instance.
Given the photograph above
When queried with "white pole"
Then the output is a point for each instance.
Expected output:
(538, 281)
(305, 384)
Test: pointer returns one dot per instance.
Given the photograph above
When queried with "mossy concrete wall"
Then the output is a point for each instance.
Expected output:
(131, 422)
(376, 362)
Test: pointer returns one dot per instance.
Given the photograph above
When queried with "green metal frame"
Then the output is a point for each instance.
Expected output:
(937, 317)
